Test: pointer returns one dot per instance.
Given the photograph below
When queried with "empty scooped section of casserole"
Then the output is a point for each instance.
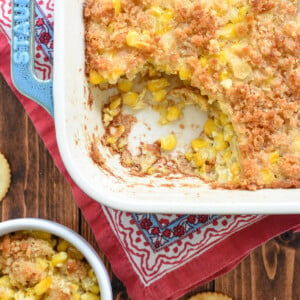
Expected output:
(38, 265)
(241, 56)
(212, 156)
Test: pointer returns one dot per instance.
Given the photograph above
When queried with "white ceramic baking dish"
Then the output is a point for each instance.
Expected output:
(76, 124)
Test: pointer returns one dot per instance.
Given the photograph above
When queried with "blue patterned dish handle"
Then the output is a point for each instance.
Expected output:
(22, 56)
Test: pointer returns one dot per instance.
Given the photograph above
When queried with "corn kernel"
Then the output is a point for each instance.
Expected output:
(120, 130)
(203, 61)
(75, 288)
(152, 72)
(59, 258)
(189, 156)
(209, 127)
(164, 19)
(42, 264)
(269, 80)
(267, 176)
(274, 156)
(94, 289)
(226, 156)
(130, 99)
(125, 85)
(228, 31)
(89, 296)
(111, 140)
(159, 95)
(151, 170)
(198, 159)
(155, 85)
(296, 144)
(132, 38)
(76, 296)
(184, 73)
(145, 35)
(167, 16)
(224, 75)
(114, 76)
(228, 132)
(115, 103)
(223, 119)
(109, 29)
(96, 78)
(202, 169)
(241, 15)
(168, 142)
(143, 44)
(156, 11)
(165, 68)
(222, 57)
(91, 274)
(43, 286)
(117, 6)
(199, 144)
(159, 29)
(40, 235)
(219, 142)
(235, 169)
(75, 253)
(122, 143)
(173, 113)
(62, 245)
(4, 281)
(114, 112)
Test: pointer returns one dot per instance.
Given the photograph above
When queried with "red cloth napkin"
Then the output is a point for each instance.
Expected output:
(155, 256)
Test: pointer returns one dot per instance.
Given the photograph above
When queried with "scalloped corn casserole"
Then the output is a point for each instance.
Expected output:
(237, 60)
(37, 265)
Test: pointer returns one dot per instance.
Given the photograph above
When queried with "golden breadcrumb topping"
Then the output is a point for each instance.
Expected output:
(240, 57)
(37, 265)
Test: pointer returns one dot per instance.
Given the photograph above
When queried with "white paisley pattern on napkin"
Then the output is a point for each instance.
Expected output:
(155, 244)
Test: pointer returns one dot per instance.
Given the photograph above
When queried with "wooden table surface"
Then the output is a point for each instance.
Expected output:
(38, 189)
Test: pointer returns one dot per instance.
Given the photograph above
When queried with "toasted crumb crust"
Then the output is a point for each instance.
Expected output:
(27, 260)
(262, 96)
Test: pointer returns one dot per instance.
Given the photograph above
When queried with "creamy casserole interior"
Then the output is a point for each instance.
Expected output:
(237, 60)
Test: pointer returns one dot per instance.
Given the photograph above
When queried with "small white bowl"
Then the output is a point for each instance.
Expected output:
(69, 235)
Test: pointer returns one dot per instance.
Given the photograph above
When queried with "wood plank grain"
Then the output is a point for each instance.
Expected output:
(269, 272)
(12, 145)
(236, 283)
(38, 189)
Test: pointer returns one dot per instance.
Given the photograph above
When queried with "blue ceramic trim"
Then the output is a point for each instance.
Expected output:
(22, 56)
